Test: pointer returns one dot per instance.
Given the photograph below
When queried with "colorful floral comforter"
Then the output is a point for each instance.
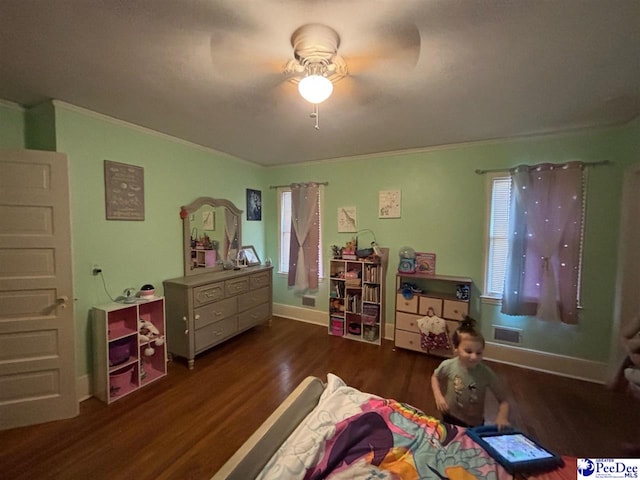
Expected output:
(351, 434)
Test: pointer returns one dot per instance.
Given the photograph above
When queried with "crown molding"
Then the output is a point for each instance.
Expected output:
(12, 105)
(148, 131)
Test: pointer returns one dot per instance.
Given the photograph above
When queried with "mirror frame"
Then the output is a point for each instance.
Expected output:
(185, 214)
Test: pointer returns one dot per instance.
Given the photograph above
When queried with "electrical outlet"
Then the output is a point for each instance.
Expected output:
(96, 269)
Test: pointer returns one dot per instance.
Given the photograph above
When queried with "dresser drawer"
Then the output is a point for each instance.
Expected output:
(253, 298)
(216, 332)
(407, 305)
(430, 302)
(207, 294)
(254, 316)
(455, 310)
(409, 340)
(214, 312)
(406, 321)
(260, 280)
(236, 286)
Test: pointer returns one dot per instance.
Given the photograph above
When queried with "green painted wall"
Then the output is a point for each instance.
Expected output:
(443, 211)
(11, 126)
(132, 253)
(41, 127)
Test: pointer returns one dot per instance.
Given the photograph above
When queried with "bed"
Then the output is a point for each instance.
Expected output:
(332, 430)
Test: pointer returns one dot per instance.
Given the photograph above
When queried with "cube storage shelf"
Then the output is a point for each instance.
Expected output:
(124, 360)
(448, 296)
(356, 300)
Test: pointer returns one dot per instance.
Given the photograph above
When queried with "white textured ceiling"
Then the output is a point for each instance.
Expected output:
(210, 71)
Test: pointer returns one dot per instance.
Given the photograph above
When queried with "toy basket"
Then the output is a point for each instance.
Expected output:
(120, 381)
(119, 352)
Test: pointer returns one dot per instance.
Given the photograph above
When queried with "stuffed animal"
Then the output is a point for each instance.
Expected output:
(147, 331)
(350, 247)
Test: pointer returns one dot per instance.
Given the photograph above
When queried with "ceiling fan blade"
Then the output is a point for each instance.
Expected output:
(394, 49)
(237, 55)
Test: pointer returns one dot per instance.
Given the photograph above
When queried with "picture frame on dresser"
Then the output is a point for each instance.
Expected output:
(425, 263)
(250, 255)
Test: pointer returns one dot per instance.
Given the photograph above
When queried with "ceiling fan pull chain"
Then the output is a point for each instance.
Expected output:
(316, 114)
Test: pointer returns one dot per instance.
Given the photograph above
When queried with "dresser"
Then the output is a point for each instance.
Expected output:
(448, 297)
(207, 309)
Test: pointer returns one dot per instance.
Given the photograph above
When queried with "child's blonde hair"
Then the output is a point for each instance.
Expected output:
(467, 327)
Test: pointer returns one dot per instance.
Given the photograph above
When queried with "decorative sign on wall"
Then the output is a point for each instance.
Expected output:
(124, 191)
(254, 204)
(347, 220)
(389, 204)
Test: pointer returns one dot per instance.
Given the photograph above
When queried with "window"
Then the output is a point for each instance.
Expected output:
(498, 234)
(284, 230)
(284, 227)
(534, 240)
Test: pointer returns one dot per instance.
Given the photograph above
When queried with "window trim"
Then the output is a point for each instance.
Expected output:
(489, 179)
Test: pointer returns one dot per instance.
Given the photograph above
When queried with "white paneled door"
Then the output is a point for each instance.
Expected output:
(37, 348)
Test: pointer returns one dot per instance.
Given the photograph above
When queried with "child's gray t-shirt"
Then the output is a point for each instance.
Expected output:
(465, 390)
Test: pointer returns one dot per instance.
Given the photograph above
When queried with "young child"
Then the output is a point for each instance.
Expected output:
(466, 380)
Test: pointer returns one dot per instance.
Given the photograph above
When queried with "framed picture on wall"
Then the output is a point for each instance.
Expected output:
(124, 191)
(389, 204)
(254, 204)
(347, 220)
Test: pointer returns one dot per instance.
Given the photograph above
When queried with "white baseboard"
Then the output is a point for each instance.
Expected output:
(316, 317)
(307, 315)
(519, 357)
(547, 362)
(562, 365)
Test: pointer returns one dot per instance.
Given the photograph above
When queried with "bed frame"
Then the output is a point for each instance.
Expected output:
(254, 454)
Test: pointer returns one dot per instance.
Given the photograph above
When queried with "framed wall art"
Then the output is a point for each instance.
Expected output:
(124, 191)
(347, 220)
(254, 204)
(389, 204)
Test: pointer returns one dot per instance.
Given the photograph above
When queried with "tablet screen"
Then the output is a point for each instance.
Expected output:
(514, 450)
(516, 447)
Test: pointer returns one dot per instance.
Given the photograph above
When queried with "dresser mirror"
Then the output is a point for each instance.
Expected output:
(212, 234)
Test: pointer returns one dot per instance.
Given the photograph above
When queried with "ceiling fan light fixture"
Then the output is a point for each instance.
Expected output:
(315, 88)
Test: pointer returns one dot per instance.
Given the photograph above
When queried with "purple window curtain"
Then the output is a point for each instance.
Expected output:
(305, 238)
(544, 244)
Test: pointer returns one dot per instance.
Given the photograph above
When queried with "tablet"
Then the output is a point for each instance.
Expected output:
(514, 450)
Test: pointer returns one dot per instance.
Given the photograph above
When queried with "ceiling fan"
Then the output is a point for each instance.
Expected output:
(316, 65)
(364, 61)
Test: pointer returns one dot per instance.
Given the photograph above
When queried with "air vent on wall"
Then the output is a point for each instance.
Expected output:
(506, 334)
(309, 301)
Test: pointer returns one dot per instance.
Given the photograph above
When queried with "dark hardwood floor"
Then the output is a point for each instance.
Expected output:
(186, 425)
